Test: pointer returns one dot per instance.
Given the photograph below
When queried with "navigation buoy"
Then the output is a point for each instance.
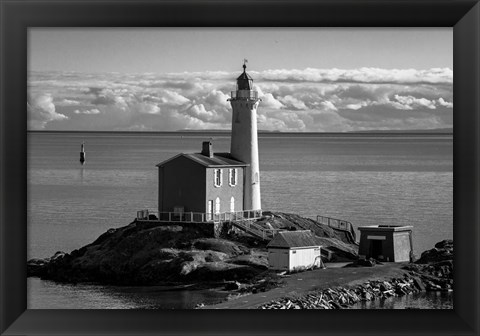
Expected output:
(82, 154)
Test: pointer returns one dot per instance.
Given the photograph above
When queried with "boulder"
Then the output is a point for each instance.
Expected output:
(441, 252)
(233, 285)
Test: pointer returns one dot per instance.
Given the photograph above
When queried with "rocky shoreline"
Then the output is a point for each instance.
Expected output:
(191, 256)
(432, 272)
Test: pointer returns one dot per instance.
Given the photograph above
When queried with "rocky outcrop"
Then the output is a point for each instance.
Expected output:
(148, 255)
(432, 273)
(442, 251)
(435, 266)
(330, 239)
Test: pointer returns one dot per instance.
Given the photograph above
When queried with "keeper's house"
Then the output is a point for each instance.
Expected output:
(294, 250)
(206, 183)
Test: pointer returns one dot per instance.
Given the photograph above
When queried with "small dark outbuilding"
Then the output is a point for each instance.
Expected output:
(386, 242)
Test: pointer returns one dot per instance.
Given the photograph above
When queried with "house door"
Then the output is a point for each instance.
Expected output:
(210, 210)
(375, 249)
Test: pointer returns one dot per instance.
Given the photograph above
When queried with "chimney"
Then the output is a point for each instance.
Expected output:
(207, 149)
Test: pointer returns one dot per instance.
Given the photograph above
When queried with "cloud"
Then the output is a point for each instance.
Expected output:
(68, 102)
(201, 113)
(92, 111)
(270, 102)
(41, 111)
(292, 100)
(327, 105)
(410, 102)
(362, 75)
(442, 102)
(293, 103)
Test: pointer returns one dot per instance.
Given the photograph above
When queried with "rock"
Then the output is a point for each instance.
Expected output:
(257, 260)
(441, 252)
(220, 245)
(233, 285)
(447, 243)
(399, 291)
(367, 262)
(35, 267)
(150, 254)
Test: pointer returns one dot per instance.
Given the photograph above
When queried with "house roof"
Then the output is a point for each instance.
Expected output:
(218, 160)
(301, 238)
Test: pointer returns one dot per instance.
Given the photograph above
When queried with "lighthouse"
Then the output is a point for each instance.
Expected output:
(244, 141)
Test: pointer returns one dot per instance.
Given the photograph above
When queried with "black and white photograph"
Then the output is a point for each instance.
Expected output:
(240, 168)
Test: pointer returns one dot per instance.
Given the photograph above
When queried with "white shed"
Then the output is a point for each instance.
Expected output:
(294, 250)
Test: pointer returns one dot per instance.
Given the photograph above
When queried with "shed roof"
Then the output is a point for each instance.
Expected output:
(301, 238)
(218, 160)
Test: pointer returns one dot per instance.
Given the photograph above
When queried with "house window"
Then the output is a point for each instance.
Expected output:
(217, 205)
(217, 177)
(232, 177)
(232, 204)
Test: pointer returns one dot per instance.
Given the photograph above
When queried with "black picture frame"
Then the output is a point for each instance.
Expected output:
(17, 16)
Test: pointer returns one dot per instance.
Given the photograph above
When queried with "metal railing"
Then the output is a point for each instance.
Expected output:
(246, 94)
(335, 223)
(197, 217)
(256, 230)
(339, 224)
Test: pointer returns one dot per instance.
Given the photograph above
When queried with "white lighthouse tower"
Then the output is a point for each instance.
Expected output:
(244, 142)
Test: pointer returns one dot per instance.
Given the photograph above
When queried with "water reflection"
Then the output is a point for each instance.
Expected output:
(425, 300)
(82, 173)
(50, 295)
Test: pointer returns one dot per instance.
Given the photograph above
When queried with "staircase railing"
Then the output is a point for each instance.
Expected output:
(254, 229)
(339, 224)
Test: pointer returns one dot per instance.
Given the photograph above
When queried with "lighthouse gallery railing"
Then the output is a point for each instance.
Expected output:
(247, 94)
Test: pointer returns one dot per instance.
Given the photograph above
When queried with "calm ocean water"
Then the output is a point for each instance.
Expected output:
(363, 179)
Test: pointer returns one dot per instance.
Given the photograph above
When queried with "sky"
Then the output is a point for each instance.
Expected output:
(309, 80)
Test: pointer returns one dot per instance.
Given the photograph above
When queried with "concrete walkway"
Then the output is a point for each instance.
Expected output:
(300, 283)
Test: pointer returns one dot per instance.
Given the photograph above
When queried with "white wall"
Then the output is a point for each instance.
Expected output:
(244, 147)
(301, 258)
